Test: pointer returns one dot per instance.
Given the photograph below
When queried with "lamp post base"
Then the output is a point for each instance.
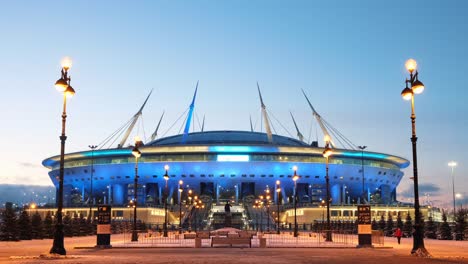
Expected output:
(421, 252)
(165, 230)
(329, 236)
(134, 236)
(58, 245)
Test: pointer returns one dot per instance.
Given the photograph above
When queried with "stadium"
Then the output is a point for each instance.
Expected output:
(235, 166)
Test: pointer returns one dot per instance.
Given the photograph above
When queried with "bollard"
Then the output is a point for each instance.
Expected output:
(198, 242)
(262, 242)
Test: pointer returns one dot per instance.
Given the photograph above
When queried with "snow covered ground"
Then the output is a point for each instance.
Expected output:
(80, 250)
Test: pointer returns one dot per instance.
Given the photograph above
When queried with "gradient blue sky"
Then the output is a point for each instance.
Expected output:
(347, 55)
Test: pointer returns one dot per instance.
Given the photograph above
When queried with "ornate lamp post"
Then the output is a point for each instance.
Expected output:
(322, 205)
(327, 152)
(92, 147)
(364, 192)
(166, 178)
(267, 204)
(137, 154)
(278, 191)
(459, 196)
(417, 87)
(452, 165)
(295, 178)
(180, 205)
(62, 85)
(259, 204)
(189, 193)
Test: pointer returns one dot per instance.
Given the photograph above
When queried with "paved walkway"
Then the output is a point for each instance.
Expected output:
(28, 252)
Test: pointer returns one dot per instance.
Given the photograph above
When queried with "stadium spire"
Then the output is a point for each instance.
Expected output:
(133, 122)
(299, 134)
(203, 124)
(189, 116)
(155, 134)
(319, 120)
(265, 117)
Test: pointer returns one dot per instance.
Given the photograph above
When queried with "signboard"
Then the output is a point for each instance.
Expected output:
(104, 215)
(364, 226)
(104, 226)
(364, 215)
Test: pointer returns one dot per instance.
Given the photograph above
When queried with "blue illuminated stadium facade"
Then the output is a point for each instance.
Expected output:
(227, 164)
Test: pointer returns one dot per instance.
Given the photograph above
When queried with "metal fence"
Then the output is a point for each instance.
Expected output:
(283, 240)
(311, 239)
(156, 239)
(377, 237)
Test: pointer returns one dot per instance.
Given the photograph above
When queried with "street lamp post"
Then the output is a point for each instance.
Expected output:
(166, 178)
(189, 193)
(267, 201)
(180, 206)
(92, 147)
(295, 178)
(327, 152)
(364, 192)
(459, 196)
(137, 154)
(322, 205)
(260, 206)
(417, 87)
(452, 165)
(278, 191)
(62, 85)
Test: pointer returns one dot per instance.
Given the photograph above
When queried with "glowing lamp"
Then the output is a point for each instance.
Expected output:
(327, 152)
(61, 84)
(66, 63)
(411, 65)
(407, 93)
(137, 139)
(69, 92)
(136, 153)
(417, 87)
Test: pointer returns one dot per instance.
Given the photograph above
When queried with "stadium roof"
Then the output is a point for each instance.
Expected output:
(227, 138)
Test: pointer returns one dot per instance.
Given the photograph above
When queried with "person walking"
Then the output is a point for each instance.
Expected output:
(398, 234)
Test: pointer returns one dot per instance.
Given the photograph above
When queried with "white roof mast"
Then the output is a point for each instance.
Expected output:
(319, 120)
(134, 120)
(265, 117)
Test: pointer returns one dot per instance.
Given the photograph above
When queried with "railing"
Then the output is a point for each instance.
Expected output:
(311, 239)
(284, 240)
(378, 237)
(156, 239)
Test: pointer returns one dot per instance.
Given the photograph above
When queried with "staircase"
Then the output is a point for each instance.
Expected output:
(260, 219)
(217, 217)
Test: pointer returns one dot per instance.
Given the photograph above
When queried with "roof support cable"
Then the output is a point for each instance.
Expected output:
(175, 122)
(183, 124)
(339, 134)
(277, 120)
(111, 136)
